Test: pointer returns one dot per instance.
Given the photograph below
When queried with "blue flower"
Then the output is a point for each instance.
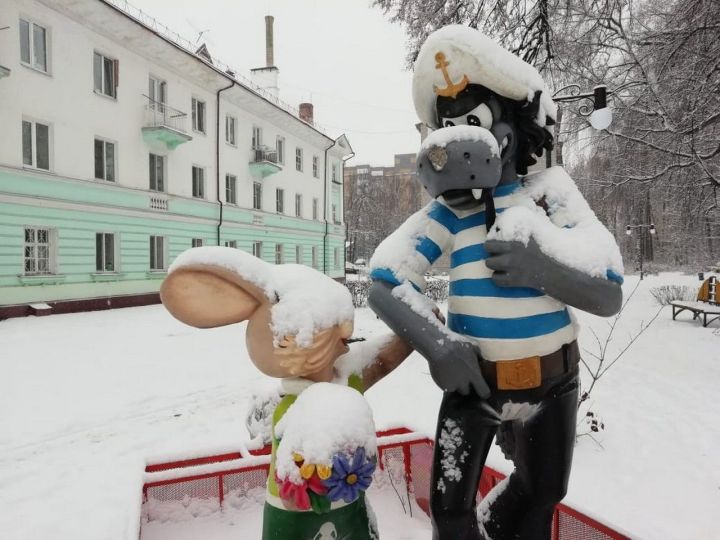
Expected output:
(348, 479)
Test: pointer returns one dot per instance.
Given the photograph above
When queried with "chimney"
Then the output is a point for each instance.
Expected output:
(269, 60)
(306, 112)
(266, 77)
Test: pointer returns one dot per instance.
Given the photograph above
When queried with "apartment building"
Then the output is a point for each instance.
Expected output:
(122, 146)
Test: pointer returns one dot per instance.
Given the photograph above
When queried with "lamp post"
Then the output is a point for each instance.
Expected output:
(641, 245)
(595, 105)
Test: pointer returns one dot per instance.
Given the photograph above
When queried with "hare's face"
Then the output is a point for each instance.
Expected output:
(317, 359)
(287, 358)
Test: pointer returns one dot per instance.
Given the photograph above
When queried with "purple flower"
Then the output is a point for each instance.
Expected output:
(348, 479)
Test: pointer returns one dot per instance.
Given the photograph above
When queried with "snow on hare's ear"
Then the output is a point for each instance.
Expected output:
(206, 296)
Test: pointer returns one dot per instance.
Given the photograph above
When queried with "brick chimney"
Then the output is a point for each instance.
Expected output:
(306, 112)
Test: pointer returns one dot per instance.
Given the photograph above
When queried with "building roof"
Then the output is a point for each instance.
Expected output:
(92, 12)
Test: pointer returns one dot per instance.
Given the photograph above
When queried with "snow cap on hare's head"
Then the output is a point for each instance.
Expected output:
(298, 318)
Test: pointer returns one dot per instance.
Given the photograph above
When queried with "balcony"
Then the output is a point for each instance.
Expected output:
(264, 162)
(164, 125)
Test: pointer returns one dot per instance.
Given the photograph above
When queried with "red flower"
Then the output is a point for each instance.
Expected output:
(297, 494)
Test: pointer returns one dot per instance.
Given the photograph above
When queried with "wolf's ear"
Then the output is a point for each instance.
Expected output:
(206, 296)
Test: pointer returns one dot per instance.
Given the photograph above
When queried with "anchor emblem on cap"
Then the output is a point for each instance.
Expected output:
(452, 89)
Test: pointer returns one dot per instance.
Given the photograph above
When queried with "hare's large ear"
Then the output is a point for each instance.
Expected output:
(207, 296)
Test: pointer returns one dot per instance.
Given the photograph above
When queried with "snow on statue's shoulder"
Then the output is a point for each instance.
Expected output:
(398, 253)
(555, 214)
(326, 420)
(304, 301)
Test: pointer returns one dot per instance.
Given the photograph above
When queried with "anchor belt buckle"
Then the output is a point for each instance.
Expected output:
(521, 374)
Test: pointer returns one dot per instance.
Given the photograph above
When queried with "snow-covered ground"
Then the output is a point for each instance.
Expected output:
(85, 398)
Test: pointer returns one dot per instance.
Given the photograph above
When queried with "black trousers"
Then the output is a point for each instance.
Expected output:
(541, 445)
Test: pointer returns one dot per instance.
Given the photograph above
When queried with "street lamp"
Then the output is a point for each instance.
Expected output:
(595, 105)
(641, 245)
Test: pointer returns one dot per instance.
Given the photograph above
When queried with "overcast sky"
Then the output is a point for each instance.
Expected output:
(341, 55)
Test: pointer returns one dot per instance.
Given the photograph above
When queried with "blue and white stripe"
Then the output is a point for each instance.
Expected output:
(507, 322)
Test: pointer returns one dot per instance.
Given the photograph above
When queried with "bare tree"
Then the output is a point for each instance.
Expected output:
(660, 160)
(664, 59)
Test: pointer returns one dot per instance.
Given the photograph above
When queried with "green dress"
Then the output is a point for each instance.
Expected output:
(352, 521)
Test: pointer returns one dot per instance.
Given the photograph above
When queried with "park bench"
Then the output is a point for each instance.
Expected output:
(706, 304)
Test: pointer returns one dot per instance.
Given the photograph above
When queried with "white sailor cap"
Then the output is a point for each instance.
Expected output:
(455, 56)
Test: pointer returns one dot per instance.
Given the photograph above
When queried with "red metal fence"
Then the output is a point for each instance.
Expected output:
(405, 457)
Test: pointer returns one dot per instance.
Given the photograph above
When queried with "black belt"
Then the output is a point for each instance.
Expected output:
(526, 373)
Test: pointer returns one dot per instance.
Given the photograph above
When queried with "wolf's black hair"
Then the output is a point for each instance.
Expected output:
(532, 139)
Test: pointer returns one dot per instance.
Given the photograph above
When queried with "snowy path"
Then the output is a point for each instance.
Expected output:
(84, 398)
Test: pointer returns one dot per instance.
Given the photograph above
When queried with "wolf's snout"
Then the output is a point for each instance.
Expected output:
(459, 161)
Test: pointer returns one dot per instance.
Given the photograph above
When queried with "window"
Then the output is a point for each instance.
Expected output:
(33, 45)
(157, 253)
(315, 257)
(299, 254)
(157, 172)
(316, 167)
(105, 75)
(256, 137)
(230, 189)
(198, 115)
(231, 130)
(336, 257)
(38, 251)
(36, 144)
(157, 92)
(231, 244)
(198, 182)
(105, 252)
(280, 200)
(298, 159)
(298, 205)
(334, 173)
(197, 242)
(315, 208)
(257, 249)
(280, 147)
(257, 195)
(278, 253)
(104, 160)
(334, 214)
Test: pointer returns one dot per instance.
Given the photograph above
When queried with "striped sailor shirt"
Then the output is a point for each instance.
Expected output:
(507, 322)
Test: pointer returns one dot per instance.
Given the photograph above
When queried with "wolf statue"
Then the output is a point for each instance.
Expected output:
(522, 249)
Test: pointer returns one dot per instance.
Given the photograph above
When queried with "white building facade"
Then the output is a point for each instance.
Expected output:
(121, 148)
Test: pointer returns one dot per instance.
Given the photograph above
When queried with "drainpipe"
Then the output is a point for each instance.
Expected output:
(217, 156)
(325, 194)
(350, 156)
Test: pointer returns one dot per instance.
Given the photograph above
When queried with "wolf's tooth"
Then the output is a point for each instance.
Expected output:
(477, 193)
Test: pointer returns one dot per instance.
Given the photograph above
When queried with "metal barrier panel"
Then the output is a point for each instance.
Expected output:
(198, 488)
(404, 464)
(421, 455)
(241, 482)
(572, 528)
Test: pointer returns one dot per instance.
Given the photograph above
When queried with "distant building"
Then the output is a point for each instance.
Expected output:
(377, 201)
(123, 145)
